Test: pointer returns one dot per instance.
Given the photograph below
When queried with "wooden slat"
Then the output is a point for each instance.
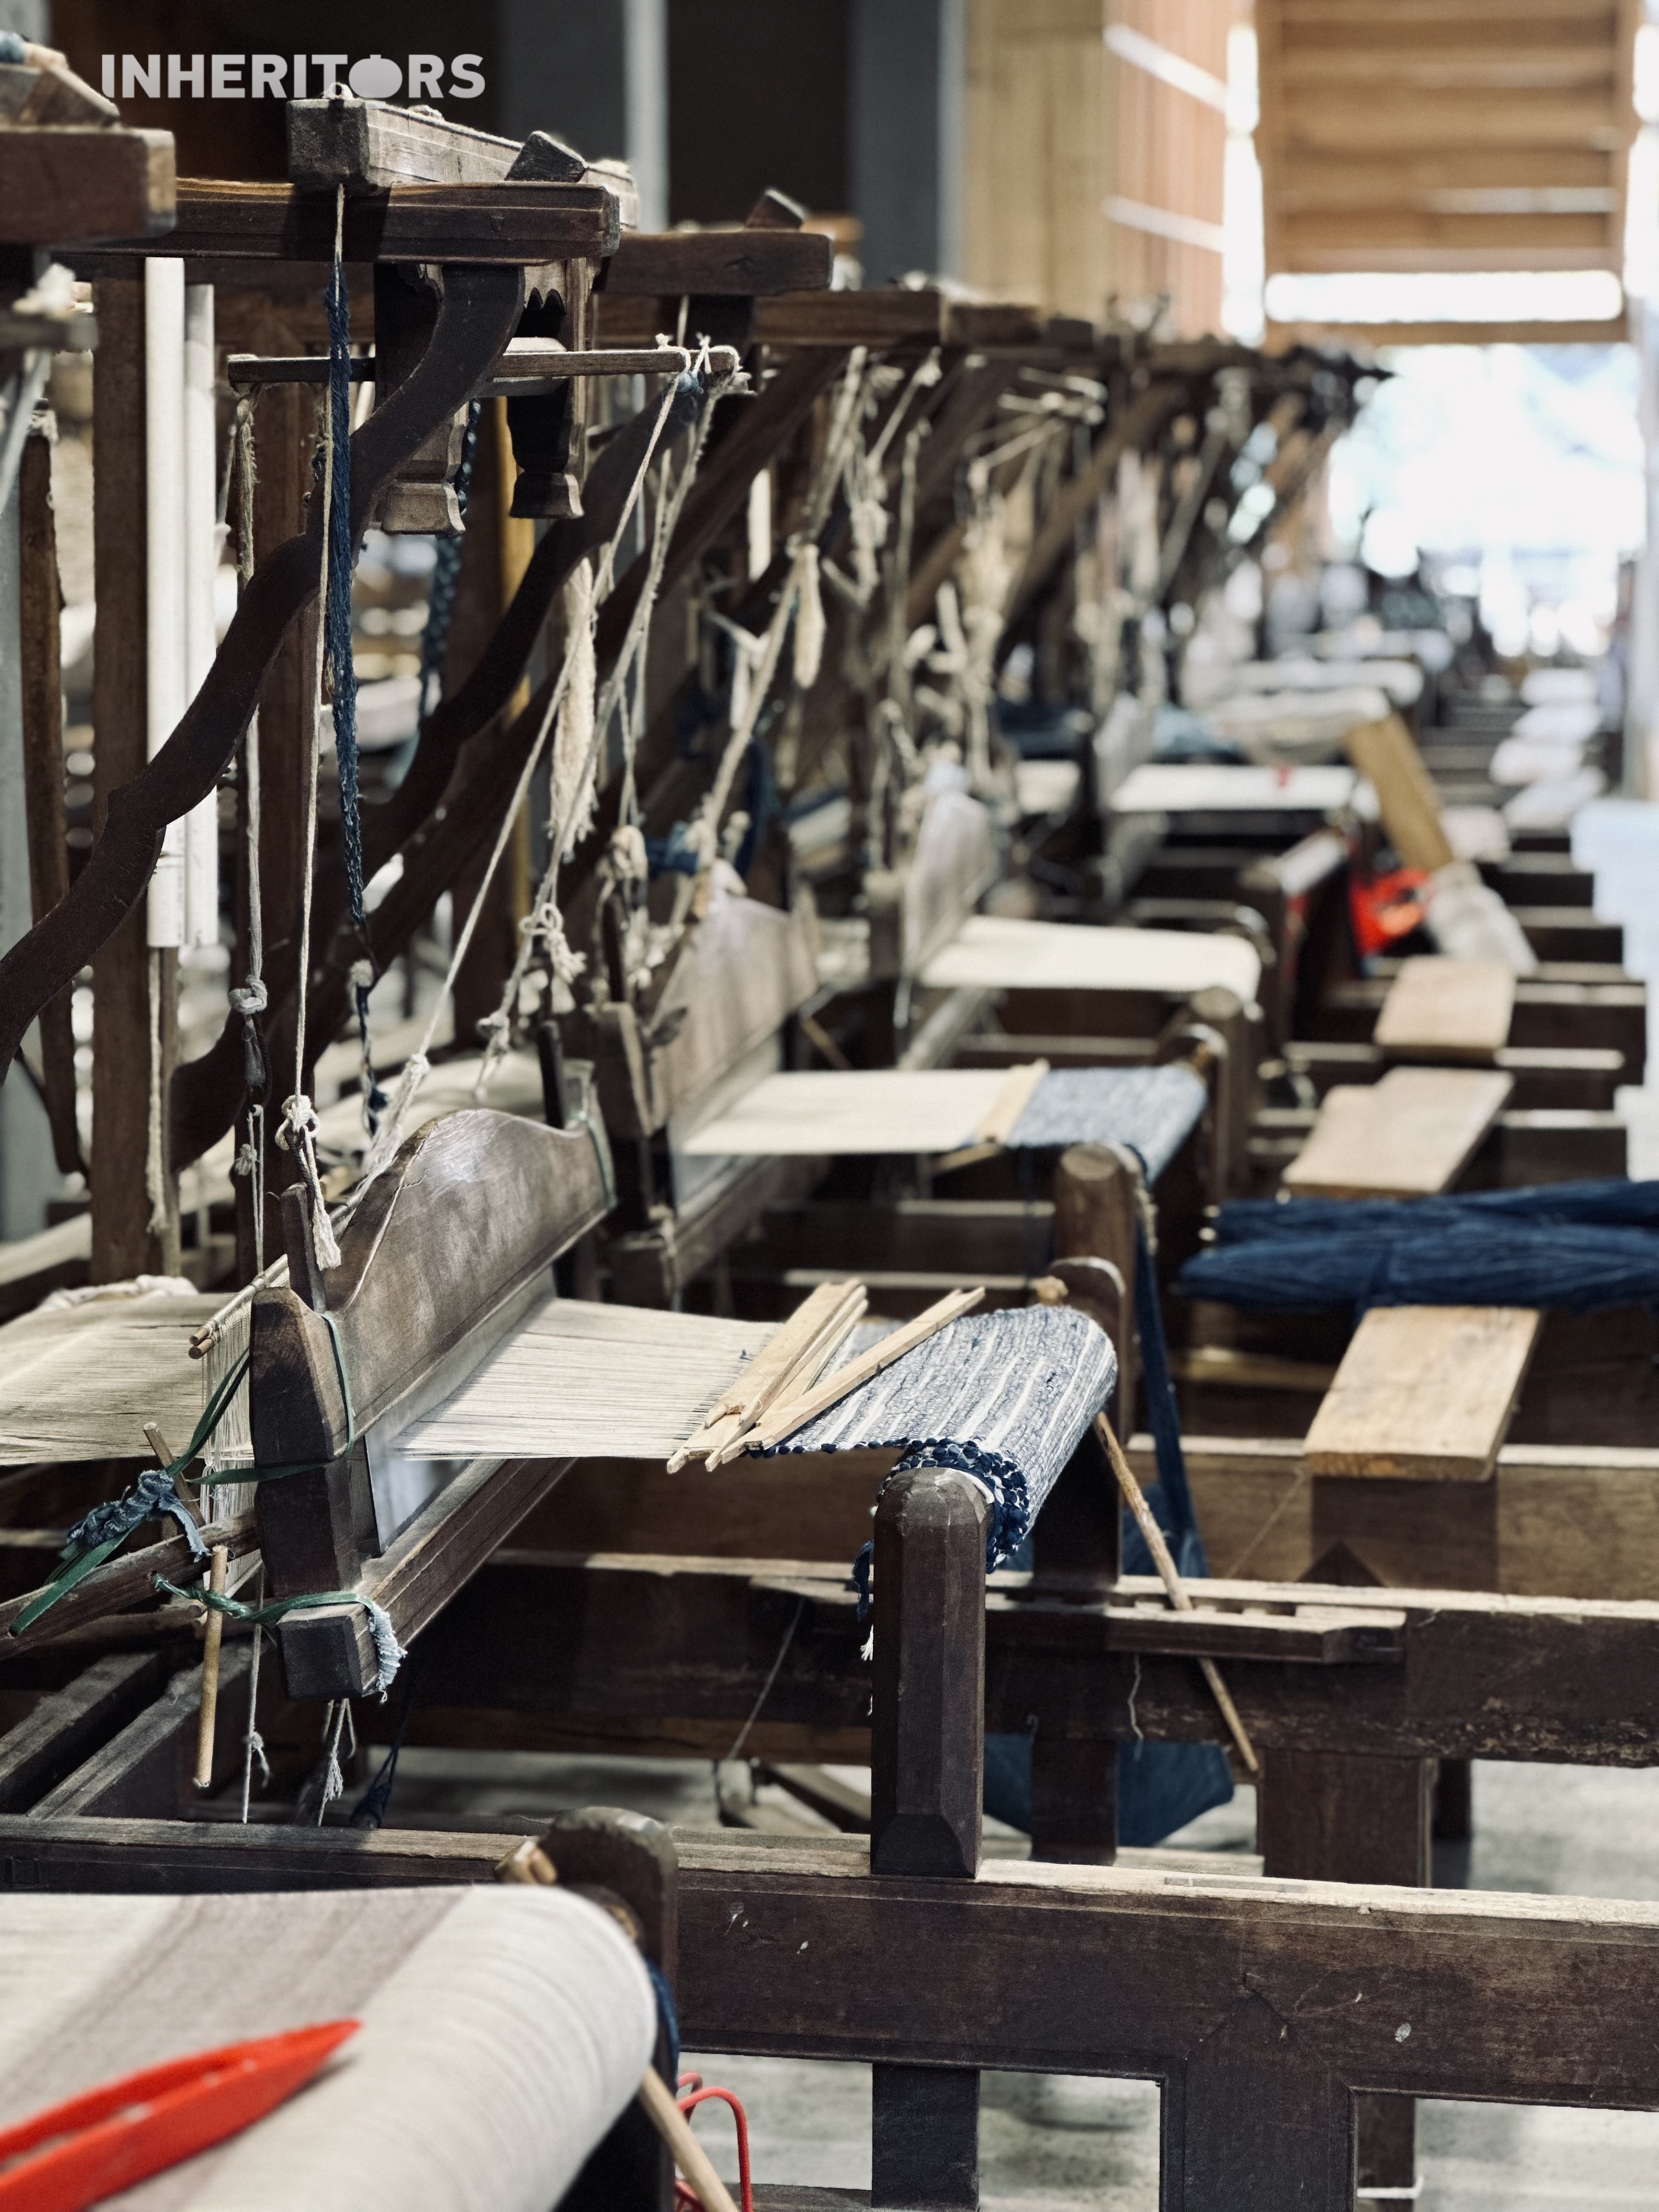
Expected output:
(1425, 1393)
(1407, 1136)
(1385, 752)
(1441, 1009)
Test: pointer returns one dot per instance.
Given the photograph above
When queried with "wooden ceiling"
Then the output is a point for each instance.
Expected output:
(1423, 134)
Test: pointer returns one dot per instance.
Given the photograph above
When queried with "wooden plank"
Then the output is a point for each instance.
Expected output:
(1408, 1136)
(737, 263)
(67, 1725)
(893, 315)
(1424, 1393)
(1443, 1009)
(74, 182)
(141, 1773)
(218, 221)
(171, 1858)
(328, 1651)
(1384, 751)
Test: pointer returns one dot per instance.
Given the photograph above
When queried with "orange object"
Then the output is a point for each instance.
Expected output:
(1386, 909)
(98, 2145)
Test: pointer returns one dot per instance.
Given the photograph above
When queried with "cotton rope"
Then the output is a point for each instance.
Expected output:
(505, 2028)
(545, 922)
(383, 1146)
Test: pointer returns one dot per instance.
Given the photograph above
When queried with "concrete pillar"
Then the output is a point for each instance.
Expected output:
(908, 67)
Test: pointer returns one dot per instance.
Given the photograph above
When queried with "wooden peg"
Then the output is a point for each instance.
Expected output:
(212, 1640)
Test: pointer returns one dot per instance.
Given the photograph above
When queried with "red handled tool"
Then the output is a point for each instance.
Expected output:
(97, 2144)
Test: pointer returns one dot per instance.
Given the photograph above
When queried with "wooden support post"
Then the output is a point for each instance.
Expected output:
(1078, 1541)
(496, 548)
(1254, 2122)
(1095, 1219)
(40, 601)
(927, 1760)
(285, 438)
(1240, 1028)
(1328, 1817)
(122, 1243)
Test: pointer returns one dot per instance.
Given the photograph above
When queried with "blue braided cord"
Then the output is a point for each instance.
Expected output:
(668, 2015)
(445, 578)
(674, 854)
(150, 1498)
(336, 613)
(1008, 1524)
(1172, 1506)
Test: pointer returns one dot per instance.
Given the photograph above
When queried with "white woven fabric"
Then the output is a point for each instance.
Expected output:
(503, 2031)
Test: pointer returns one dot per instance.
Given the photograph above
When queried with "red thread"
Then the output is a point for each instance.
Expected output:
(692, 2094)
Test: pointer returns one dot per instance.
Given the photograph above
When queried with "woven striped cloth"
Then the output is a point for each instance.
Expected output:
(1002, 1397)
(1154, 1109)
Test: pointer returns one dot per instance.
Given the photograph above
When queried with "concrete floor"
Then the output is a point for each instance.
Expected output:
(1053, 2144)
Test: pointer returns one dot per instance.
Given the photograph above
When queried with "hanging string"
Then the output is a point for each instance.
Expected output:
(383, 1146)
(298, 1131)
(155, 1184)
(248, 999)
(445, 578)
(544, 924)
(254, 1744)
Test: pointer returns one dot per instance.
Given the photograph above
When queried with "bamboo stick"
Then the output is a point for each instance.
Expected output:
(782, 1420)
(212, 1638)
(795, 1354)
(1172, 1582)
(1011, 1102)
(689, 2155)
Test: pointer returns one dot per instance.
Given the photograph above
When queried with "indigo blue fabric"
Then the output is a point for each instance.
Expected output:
(1152, 1109)
(1582, 1245)
(1003, 1397)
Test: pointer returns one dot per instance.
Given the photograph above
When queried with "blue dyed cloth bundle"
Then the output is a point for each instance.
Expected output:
(1152, 1110)
(1581, 1246)
(1001, 1397)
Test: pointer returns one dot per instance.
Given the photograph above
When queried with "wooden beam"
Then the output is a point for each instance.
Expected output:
(737, 263)
(531, 223)
(72, 182)
(123, 1243)
(70, 1724)
(1613, 331)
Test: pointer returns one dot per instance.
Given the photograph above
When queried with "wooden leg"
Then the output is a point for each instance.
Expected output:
(1453, 1801)
(927, 1760)
(1254, 2123)
(1073, 1800)
(924, 2138)
(1332, 1818)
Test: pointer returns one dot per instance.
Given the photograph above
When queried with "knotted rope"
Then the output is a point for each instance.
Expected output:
(388, 1652)
(100, 1533)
